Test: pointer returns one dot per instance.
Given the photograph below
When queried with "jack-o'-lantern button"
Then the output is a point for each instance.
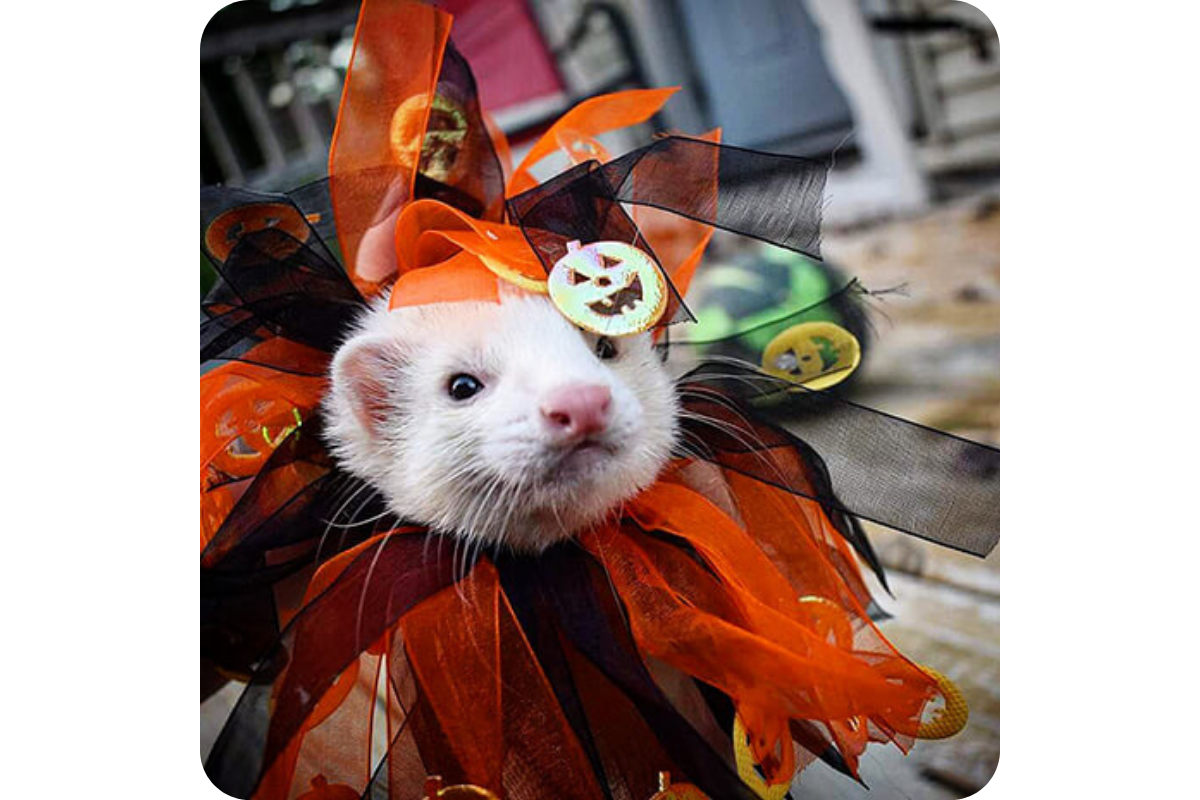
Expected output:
(676, 791)
(446, 127)
(816, 355)
(608, 288)
(224, 232)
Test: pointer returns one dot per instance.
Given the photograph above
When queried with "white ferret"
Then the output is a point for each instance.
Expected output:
(499, 422)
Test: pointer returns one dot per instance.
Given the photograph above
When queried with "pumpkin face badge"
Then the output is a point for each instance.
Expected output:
(446, 128)
(608, 288)
(224, 232)
(816, 354)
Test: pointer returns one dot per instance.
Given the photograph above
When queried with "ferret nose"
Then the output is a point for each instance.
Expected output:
(577, 409)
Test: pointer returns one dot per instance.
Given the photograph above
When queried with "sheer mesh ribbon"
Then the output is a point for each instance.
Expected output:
(855, 460)
(776, 198)
(524, 675)
(377, 146)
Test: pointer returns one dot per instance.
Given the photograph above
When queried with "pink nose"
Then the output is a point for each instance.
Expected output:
(576, 410)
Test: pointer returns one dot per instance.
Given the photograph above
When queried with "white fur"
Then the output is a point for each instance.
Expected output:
(486, 468)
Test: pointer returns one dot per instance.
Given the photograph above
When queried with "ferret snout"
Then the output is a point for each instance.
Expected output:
(576, 410)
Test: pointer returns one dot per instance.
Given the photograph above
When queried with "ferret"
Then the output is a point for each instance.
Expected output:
(501, 423)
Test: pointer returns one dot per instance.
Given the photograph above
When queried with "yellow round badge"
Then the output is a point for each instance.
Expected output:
(816, 355)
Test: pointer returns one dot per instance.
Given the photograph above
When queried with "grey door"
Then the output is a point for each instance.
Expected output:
(764, 74)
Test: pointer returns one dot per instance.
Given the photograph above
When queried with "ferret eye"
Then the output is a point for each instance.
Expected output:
(605, 349)
(463, 386)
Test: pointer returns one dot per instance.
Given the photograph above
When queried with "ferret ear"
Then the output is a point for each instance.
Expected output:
(367, 369)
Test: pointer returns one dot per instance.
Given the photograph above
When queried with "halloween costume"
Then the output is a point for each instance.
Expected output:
(719, 630)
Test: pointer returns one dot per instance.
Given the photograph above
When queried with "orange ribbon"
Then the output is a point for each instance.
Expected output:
(436, 252)
(445, 255)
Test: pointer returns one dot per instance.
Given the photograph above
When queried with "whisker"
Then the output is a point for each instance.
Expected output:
(353, 516)
(705, 393)
(356, 523)
(362, 600)
(329, 523)
(735, 433)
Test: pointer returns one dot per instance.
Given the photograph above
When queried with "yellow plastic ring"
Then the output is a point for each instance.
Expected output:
(746, 766)
(950, 719)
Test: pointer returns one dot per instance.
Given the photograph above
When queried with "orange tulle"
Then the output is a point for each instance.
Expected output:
(499, 144)
(805, 646)
(494, 706)
(375, 158)
(246, 411)
(779, 632)
(444, 255)
(485, 713)
(373, 164)
(585, 121)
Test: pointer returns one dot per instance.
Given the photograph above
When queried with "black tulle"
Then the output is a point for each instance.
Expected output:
(866, 463)
(480, 189)
(563, 593)
(767, 196)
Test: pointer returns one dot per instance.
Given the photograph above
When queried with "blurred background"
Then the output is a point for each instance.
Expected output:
(902, 95)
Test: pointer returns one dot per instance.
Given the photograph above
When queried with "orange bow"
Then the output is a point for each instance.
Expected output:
(437, 252)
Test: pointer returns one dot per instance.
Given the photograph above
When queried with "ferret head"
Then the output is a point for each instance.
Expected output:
(501, 422)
